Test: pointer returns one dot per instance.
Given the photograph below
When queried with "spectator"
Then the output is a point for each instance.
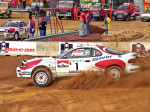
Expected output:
(87, 20)
(31, 28)
(20, 2)
(107, 21)
(36, 11)
(91, 15)
(42, 27)
(82, 21)
(75, 13)
(24, 4)
(131, 5)
(29, 10)
(110, 12)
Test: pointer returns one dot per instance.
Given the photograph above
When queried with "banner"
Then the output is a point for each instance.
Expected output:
(13, 2)
(18, 47)
(146, 1)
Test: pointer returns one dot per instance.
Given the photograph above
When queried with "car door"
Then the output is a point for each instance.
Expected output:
(76, 61)
(22, 29)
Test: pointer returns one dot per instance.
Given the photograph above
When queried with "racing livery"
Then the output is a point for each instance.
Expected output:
(13, 29)
(74, 61)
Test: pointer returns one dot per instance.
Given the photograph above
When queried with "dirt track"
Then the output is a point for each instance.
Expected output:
(83, 93)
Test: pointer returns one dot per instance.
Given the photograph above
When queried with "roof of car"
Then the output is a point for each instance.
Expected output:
(15, 21)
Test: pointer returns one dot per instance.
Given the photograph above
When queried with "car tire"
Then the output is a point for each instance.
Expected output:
(5, 16)
(128, 18)
(41, 78)
(16, 36)
(9, 14)
(115, 19)
(114, 72)
(60, 18)
(134, 17)
(142, 20)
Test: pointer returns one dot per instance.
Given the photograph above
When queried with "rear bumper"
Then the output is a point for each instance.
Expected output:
(132, 68)
(145, 18)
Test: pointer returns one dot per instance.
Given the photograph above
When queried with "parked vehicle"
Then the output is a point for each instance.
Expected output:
(145, 16)
(5, 10)
(13, 29)
(99, 11)
(123, 12)
(65, 9)
(74, 61)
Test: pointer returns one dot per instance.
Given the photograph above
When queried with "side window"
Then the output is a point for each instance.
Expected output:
(96, 52)
(21, 24)
(78, 53)
(25, 24)
(5, 24)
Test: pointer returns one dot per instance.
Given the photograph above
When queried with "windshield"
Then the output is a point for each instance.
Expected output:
(66, 4)
(112, 51)
(95, 7)
(60, 55)
(123, 8)
(10, 24)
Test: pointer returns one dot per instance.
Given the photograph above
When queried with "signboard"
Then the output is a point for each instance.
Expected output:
(142, 49)
(18, 47)
(13, 2)
(146, 1)
(85, 3)
(65, 46)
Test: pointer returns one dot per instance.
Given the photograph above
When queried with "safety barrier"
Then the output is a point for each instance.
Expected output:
(11, 48)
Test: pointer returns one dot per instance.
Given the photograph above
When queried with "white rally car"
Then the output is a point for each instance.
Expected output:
(13, 29)
(74, 61)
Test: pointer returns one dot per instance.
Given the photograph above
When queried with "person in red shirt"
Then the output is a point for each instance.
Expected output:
(75, 13)
(82, 21)
(110, 13)
(131, 5)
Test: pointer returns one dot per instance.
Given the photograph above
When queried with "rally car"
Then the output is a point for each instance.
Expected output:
(13, 29)
(74, 61)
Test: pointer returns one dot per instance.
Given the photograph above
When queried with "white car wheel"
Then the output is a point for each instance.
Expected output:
(41, 78)
(114, 72)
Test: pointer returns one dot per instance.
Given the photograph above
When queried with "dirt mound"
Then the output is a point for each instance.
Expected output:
(124, 35)
(91, 80)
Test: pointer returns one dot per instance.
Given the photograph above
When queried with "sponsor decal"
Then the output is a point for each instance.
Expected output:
(76, 61)
(101, 58)
(62, 63)
(142, 49)
(146, 1)
(76, 71)
(18, 47)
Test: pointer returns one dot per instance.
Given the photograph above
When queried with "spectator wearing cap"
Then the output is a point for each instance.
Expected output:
(42, 27)
(82, 21)
(87, 20)
(31, 28)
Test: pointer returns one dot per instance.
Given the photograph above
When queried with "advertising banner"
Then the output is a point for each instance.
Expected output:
(18, 47)
(65, 46)
(13, 2)
(146, 1)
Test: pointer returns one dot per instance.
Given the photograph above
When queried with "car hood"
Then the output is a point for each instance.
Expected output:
(45, 59)
(121, 11)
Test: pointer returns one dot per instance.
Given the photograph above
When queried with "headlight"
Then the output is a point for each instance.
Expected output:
(115, 13)
(126, 14)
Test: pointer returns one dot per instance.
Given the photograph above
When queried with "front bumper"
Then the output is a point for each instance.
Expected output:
(23, 73)
(6, 35)
(120, 16)
(145, 18)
